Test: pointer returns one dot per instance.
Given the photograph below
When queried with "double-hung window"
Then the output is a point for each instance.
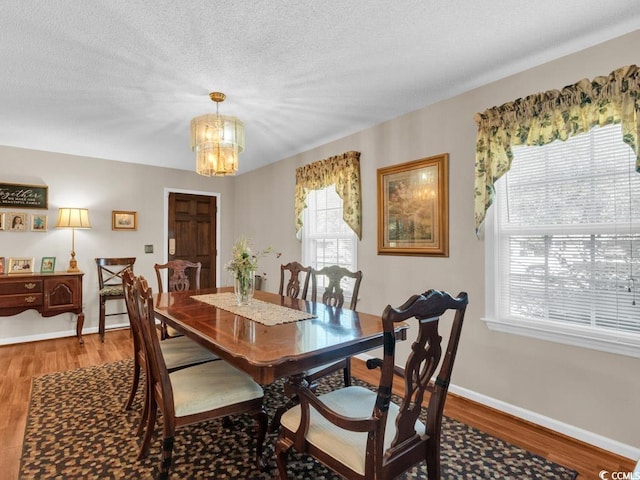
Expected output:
(563, 243)
(326, 237)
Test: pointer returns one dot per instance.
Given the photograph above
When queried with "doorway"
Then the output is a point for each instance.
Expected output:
(192, 232)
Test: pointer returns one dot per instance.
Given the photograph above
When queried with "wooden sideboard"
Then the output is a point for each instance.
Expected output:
(48, 293)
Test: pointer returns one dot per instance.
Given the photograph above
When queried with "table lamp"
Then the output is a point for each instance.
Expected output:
(73, 218)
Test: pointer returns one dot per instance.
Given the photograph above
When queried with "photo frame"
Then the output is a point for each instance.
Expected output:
(16, 222)
(20, 265)
(2, 269)
(38, 222)
(124, 220)
(48, 265)
(2, 223)
(18, 195)
(413, 208)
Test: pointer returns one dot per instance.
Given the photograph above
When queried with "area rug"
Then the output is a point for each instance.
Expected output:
(77, 429)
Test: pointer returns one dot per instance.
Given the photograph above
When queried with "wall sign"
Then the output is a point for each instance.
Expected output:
(24, 196)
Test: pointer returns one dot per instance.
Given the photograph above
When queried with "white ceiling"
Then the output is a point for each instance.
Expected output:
(121, 79)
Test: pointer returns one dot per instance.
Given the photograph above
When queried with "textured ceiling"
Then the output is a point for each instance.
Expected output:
(121, 79)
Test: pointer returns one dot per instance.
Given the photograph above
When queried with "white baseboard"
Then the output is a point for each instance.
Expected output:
(557, 426)
(60, 334)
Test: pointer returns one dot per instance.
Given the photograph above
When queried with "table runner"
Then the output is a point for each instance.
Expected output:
(262, 312)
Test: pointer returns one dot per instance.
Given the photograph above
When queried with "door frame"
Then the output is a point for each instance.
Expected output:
(165, 214)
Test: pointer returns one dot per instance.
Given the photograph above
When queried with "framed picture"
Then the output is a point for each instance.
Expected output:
(413, 208)
(20, 265)
(16, 222)
(48, 265)
(38, 222)
(2, 221)
(2, 266)
(13, 195)
(124, 220)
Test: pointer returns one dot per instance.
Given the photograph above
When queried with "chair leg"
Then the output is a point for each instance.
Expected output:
(101, 323)
(263, 425)
(433, 458)
(283, 445)
(151, 421)
(144, 416)
(167, 452)
(134, 386)
(347, 372)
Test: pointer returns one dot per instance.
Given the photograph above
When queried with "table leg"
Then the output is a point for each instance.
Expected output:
(79, 326)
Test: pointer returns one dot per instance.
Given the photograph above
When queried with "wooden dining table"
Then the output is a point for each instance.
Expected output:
(271, 352)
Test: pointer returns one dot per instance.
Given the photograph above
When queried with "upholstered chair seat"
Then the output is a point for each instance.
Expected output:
(181, 352)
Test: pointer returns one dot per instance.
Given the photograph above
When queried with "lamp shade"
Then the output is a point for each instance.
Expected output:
(73, 218)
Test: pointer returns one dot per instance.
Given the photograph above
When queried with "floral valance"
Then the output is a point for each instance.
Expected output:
(341, 170)
(554, 115)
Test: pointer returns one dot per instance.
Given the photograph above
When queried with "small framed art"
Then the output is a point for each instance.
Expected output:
(20, 265)
(48, 265)
(1, 220)
(124, 220)
(413, 208)
(2, 266)
(16, 222)
(38, 222)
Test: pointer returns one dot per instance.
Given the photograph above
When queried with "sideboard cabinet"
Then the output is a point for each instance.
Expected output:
(48, 293)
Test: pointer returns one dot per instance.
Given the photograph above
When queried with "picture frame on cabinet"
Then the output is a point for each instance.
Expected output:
(2, 266)
(48, 265)
(2, 221)
(20, 265)
(16, 222)
(38, 222)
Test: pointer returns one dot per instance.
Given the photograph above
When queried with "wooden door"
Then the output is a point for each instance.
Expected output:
(192, 232)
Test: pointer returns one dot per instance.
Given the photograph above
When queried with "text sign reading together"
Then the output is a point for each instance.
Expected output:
(23, 196)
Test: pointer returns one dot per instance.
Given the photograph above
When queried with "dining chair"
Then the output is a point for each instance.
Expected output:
(110, 285)
(194, 394)
(179, 352)
(294, 271)
(182, 275)
(362, 434)
(333, 295)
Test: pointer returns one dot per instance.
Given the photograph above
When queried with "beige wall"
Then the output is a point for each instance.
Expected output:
(586, 389)
(101, 186)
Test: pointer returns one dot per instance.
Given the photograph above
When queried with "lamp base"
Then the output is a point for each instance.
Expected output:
(73, 264)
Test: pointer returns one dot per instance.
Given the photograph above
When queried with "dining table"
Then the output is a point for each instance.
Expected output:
(274, 336)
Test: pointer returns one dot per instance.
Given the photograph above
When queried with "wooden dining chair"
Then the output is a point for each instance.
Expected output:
(194, 394)
(177, 352)
(361, 434)
(182, 275)
(333, 295)
(110, 285)
(295, 272)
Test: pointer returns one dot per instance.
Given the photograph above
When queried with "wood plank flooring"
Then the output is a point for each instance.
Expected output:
(20, 363)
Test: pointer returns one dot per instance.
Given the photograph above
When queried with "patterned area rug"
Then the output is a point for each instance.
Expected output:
(77, 429)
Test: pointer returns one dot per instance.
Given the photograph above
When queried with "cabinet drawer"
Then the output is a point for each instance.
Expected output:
(20, 286)
(22, 300)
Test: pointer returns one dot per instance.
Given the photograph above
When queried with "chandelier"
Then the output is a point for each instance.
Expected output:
(217, 140)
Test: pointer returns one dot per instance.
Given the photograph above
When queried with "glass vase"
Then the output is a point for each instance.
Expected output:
(244, 286)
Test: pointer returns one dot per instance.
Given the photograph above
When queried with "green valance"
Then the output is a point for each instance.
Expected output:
(341, 170)
(554, 115)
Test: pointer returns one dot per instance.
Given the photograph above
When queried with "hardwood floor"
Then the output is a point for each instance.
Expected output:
(20, 363)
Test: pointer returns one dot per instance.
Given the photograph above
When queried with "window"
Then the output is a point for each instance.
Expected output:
(326, 238)
(563, 244)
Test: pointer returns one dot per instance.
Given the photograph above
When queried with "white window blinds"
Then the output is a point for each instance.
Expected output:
(567, 240)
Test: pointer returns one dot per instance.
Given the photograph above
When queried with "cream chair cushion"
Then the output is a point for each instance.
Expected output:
(209, 386)
(348, 448)
(181, 352)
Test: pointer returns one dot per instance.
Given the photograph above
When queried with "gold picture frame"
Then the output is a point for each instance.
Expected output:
(413, 208)
(39, 222)
(20, 265)
(17, 222)
(124, 220)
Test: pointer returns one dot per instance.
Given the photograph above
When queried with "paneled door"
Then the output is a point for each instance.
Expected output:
(192, 232)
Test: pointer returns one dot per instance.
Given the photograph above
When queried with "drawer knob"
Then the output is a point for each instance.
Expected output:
(30, 286)
(30, 299)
